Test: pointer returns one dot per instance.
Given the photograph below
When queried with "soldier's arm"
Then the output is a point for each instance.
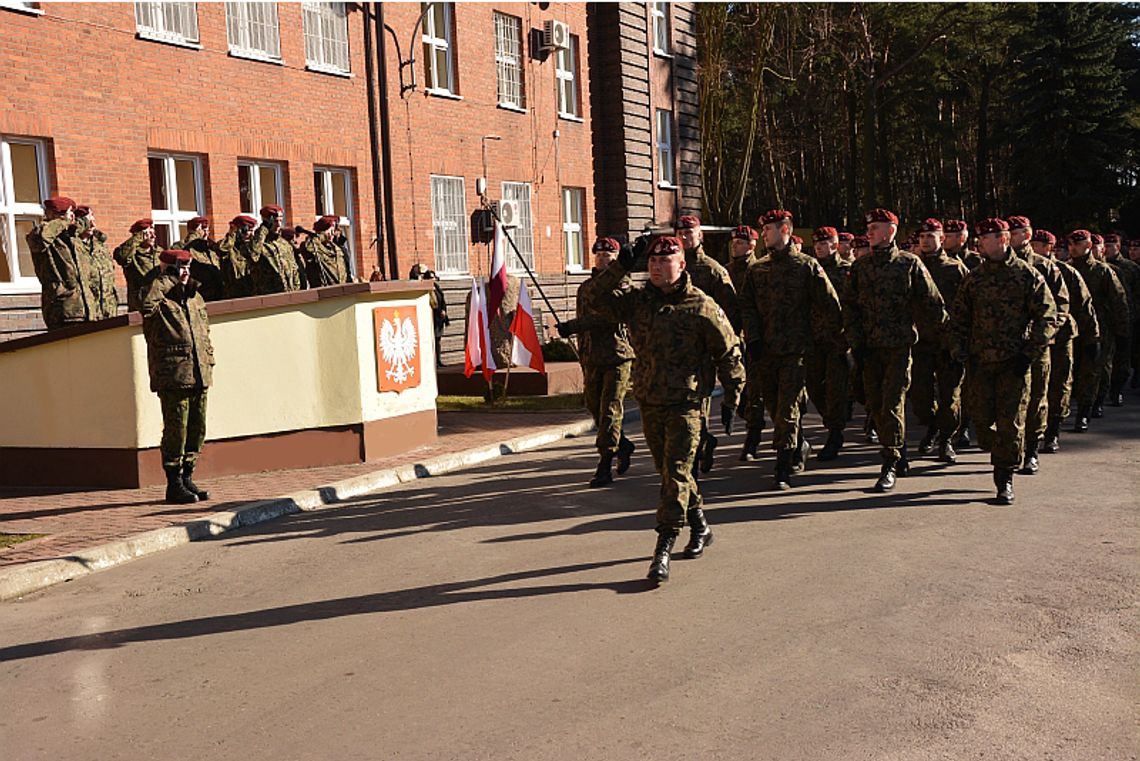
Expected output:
(853, 313)
(1043, 317)
(960, 322)
(1087, 323)
(724, 350)
(607, 295)
(727, 297)
(1118, 303)
(257, 245)
(750, 318)
(155, 292)
(1060, 293)
(930, 309)
(826, 305)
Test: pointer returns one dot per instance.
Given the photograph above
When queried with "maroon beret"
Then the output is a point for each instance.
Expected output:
(174, 256)
(955, 226)
(59, 204)
(880, 215)
(1080, 235)
(824, 233)
(1112, 238)
(606, 244)
(744, 232)
(197, 222)
(688, 222)
(288, 233)
(82, 211)
(992, 225)
(860, 241)
(244, 219)
(140, 225)
(666, 245)
(797, 240)
(1019, 223)
(930, 225)
(271, 209)
(1134, 243)
(775, 215)
(1097, 239)
(1044, 236)
(846, 237)
(325, 223)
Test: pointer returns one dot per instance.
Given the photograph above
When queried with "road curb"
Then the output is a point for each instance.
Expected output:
(24, 579)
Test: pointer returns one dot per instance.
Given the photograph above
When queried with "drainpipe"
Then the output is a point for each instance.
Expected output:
(386, 145)
(374, 147)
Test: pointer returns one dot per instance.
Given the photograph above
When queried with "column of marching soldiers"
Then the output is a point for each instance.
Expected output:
(1009, 340)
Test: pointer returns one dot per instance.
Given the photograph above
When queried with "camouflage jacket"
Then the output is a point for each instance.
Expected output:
(206, 266)
(677, 337)
(601, 342)
(1082, 315)
(137, 263)
(65, 276)
(273, 264)
(947, 273)
(789, 305)
(327, 262)
(1002, 309)
(101, 293)
(891, 293)
(838, 272)
(967, 256)
(1128, 273)
(1053, 278)
(234, 255)
(178, 349)
(737, 268)
(1108, 295)
(710, 276)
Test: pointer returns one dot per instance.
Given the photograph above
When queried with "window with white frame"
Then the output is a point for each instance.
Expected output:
(573, 203)
(168, 22)
(566, 78)
(662, 28)
(252, 30)
(523, 234)
(439, 68)
(15, 5)
(508, 61)
(23, 186)
(259, 184)
(666, 171)
(175, 194)
(326, 37)
(332, 191)
(449, 224)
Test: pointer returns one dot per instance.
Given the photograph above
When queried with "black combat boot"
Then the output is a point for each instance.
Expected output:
(946, 451)
(926, 446)
(800, 454)
(1030, 465)
(659, 568)
(963, 439)
(603, 476)
(1003, 480)
(1116, 399)
(784, 469)
(751, 444)
(1052, 436)
(624, 454)
(869, 431)
(1098, 406)
(700, 535)
(188, 482)
(886, 480)
(176, 491)
(707, 451)
(832, 446)
(1081, 424)
(902, 467)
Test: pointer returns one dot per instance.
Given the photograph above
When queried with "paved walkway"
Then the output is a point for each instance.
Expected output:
(80, 520)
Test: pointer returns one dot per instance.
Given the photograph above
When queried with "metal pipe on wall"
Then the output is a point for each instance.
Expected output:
(374, 147)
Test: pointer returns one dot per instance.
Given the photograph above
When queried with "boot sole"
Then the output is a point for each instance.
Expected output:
(691, 555)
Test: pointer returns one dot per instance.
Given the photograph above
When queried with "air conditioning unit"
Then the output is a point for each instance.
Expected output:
(507, 212)
(555, 35)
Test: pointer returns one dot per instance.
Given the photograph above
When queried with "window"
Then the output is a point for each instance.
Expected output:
(573, 202)
(23, 186)
(326, 37)
(252, 30)
(439, 71)
(508, 61)
(16, 5)
(332, 190)
(168, 22)
(175, 194)
(566, 73)
(523, 235)
(662, 31)
(449, 224)
(259, 184)
(666, 173)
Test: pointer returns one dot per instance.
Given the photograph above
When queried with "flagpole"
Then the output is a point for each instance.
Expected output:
(522, 261)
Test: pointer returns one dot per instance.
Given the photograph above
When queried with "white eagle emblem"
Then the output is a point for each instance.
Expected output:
(398, 347)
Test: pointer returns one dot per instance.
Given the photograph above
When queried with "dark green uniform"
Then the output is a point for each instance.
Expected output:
(1081, 322)
(1111, 304)
(138, 261)
(65, 276)
(273, 263)
(234, 255)
(327, 262)
(1003, 318)
(101, 293)
(1128, 272)
(936, 388)
(752, 404)
(1037, 413)
(967, 256)
(206, 267)
(825, 364)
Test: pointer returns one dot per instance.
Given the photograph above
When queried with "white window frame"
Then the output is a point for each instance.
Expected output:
(21, 282)
(432, 39)
(21, 7)
(255, 184)
(662, 28)
(566, 70)
(666, 158)
(318, 20)
(241, 32)
(345, 223)
(574, 197)
(510, 85)
(174, 216)
(449, 224)
(523, 233)
(163, 30)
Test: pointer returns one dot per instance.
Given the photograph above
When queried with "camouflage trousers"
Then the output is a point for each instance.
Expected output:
(1117, 375)
(605, 389)
(753, 396)
(827, 385)
(886, 378)
(672, 433)
(1037, 408)
(782, 382)
(1060, 378)
(936, 389)
(1086, 373)
(998, 398)
(183, 425)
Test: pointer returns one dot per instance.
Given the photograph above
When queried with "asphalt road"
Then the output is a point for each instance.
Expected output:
(501, 613)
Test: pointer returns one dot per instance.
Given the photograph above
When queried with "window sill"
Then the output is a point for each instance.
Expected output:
(330, 70)
(445, 94)
(249, 55)
(453, 275)
(513, 108)
(574, 269)
(21, 287)
(571, 118)
(662, 54)
(178, 43)
(667, 186)
(21, 9)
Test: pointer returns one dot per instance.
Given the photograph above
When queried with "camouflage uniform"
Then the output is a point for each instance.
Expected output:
(936, 388)
(273, 264)
(65, 276)
(891, 292)
(1037, 413)
(752, 407)
(825, 364)
(138, 262)
(605, 354)
(1111, 305)
(1128, 272)
(327, 262)
(1003, 316)
(180, 359)
(677, 337)
(1081, 321)
(235, 264)
(967, 256)
(101, 293)
(206, 267)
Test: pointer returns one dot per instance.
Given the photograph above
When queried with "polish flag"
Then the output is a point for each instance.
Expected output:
(477, 350)
(497, 287)
(526, 350)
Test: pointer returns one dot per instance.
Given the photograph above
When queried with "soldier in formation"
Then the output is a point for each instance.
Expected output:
(65, 275)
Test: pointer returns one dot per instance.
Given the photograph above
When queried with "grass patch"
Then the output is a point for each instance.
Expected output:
(511, 404)
(11, 540)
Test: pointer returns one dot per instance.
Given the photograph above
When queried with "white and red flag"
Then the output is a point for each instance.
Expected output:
(477, 351)
(497, 287)
(526, 349)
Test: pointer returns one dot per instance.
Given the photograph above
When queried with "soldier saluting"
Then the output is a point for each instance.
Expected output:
(138, 256)
(273, 264)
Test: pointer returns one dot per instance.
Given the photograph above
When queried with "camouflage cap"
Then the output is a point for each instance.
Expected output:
(175, 256)
(141, 224)
(992, 225)
(606, 244)
(688, 222)
(955, 226)
(666, 245)
(881, 215)
(1018, 222)
(775, 215)
(1044, 236)
(59, 204)
(929, 225)
(825, 233)
(744, 232)
(1076, 235)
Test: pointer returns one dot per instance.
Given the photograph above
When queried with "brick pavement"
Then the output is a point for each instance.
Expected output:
(78, 520)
